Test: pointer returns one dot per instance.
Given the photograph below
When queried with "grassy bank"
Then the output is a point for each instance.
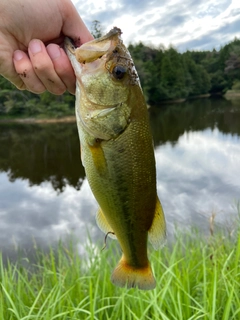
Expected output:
(197, 278)
(232, 94)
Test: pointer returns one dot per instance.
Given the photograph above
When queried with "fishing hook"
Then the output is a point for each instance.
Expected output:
(105, 239)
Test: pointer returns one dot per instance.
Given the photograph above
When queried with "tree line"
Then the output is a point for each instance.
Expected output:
(165, 74)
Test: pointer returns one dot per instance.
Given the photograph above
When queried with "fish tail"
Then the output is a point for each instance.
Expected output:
(130, 276)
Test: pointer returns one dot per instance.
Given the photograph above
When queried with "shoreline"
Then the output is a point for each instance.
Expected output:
(180, 100)
(47, 120)
(70, 119)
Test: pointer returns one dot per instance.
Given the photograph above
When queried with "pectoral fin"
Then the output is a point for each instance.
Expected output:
(98, 158)
(157, 232)
(104, 225)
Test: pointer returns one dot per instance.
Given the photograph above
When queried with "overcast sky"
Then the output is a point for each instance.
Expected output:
(185, 24)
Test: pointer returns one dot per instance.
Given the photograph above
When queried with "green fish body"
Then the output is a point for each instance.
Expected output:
(117, 153)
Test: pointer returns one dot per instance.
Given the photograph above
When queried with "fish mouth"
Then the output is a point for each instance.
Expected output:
(95, 49)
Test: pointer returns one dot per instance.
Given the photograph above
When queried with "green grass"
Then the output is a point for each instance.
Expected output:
(197, 278)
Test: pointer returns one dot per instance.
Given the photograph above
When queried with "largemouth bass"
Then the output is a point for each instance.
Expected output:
(117, 153)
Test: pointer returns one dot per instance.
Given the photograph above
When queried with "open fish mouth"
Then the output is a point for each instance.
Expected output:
(95, 49)
(106, 53)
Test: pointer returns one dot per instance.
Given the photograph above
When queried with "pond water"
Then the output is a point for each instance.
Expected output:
(44, 195)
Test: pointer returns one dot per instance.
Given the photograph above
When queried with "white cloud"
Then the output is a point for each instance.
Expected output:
(187, 25)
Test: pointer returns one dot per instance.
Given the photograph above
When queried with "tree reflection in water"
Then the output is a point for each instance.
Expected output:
(46, 152)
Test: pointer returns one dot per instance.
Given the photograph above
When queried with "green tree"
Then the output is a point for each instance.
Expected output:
(96, 29)
(172, 75)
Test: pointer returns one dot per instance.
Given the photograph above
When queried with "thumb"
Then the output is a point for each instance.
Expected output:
(73, 25)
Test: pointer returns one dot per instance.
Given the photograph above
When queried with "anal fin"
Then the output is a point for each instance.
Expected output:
(157, 232)
(104, 225)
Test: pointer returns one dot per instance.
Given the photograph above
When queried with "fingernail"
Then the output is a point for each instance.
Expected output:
(35, 46)
(18, 55)
(53, 51)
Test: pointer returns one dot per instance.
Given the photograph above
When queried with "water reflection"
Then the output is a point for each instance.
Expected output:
(171, 121)
(44, 195)
(198, 177)
(48, 152)
(40, 215)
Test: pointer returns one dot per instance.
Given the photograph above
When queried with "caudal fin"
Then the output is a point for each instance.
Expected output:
(132, 277)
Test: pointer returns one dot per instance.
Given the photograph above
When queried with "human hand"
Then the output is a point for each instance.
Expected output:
(31, 35)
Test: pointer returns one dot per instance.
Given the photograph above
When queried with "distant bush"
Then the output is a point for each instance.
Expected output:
(236, 86)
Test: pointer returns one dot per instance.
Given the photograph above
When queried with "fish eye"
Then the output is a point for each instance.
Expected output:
(119, 72)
